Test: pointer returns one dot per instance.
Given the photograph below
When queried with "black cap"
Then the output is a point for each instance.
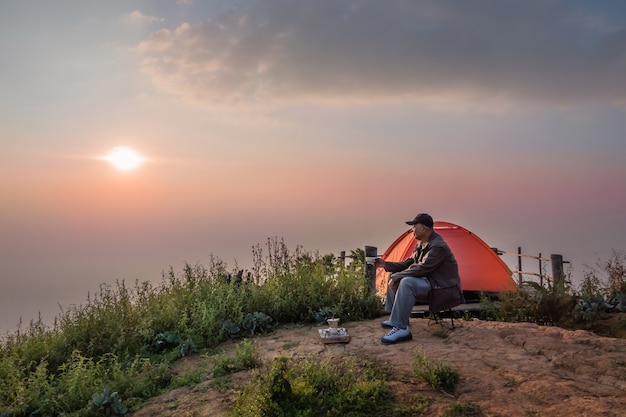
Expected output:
(422, 218)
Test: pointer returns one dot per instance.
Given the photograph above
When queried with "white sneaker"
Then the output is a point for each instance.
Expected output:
(396, 336)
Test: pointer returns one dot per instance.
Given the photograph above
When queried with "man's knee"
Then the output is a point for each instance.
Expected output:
(404, 285)
(419, 287)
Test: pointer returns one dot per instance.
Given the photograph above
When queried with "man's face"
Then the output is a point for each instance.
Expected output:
(418, 230)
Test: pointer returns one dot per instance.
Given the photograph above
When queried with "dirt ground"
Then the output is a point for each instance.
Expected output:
(508, 369)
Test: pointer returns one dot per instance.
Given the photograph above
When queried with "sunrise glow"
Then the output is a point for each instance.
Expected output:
(143, 137)
(124, 159)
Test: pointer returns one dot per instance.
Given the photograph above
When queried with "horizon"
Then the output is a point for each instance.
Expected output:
(139, 136)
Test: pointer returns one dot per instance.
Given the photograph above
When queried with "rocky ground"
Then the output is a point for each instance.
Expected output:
(508, 369)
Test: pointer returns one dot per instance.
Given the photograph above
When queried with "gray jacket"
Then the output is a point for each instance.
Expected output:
(435, 262)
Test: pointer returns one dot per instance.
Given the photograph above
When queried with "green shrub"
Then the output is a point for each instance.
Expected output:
(250, 325)
(603, 289)
(126, 337)
(418, 406)
(313, 387)
(543, 305)
(108, 403)
(168, 341)
(245, 358)
(437, 375)
(189, 378)
(615, 270)
(592, 308)
(463, 410)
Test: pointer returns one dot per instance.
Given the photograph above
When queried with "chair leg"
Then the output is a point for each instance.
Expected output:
(439, 319)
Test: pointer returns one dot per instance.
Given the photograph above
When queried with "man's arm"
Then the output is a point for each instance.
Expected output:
(429, 263)
(393, 266)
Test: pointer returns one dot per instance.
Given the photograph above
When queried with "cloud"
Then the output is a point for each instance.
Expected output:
(487, 51)
(138, 17)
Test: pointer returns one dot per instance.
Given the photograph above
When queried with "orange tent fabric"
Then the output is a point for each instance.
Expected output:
(480, 268)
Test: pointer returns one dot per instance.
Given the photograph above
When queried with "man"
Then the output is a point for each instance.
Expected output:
(430, 276)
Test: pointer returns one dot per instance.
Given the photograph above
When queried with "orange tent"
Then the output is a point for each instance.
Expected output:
(480, 267)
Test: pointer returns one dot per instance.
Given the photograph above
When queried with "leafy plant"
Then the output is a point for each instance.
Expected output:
(418, 406)
(167, 341)
(245, 358)
(594, 307)
(256, 322)
(252, 323)
(441, 333)
(108, 403)
(615, 268)
(117, 338)
(323, 314)
(607, 276)
(231, 329)
(618, 302)
(467, 316)
(127, 336)
(307, 387)
(189, 378)
(221, 383)
(463, 410)
(489, 309)
(541, 304)
(437, 375)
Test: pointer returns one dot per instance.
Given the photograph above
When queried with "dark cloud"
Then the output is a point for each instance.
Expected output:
(537, 51)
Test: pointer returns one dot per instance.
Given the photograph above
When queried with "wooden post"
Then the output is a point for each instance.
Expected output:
(342, 259)
(519, 266)
(540, 271)
(557, 271)
(370, 269)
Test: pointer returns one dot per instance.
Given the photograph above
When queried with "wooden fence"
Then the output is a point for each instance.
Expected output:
(556, 265)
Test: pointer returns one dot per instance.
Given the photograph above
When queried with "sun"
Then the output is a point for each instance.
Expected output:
(123, 158)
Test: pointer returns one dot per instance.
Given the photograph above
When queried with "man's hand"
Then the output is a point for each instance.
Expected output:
(379, 263)
(393, 285)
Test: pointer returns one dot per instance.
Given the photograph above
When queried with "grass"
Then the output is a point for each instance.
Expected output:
(125, 339)
(312, 387)
(438, 375)
(463, 410)
(245, 358)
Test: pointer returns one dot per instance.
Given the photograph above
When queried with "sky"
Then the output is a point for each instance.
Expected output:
(326, 124)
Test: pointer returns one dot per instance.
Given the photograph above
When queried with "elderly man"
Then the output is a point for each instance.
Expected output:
(430, 276)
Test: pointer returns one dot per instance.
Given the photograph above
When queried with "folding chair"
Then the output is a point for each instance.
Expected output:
(441, 318)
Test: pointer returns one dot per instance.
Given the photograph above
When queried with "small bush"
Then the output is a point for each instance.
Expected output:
(439, 376)
(592, 308)
(310, 387)
(250, 325)
(543, 305)
(168, 341)
(189, 378)
(463, 410)
(245, 358)
(108, 403)
(419, 405)
(126, 337)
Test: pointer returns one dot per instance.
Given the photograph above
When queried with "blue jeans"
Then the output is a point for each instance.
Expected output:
(400, 303)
